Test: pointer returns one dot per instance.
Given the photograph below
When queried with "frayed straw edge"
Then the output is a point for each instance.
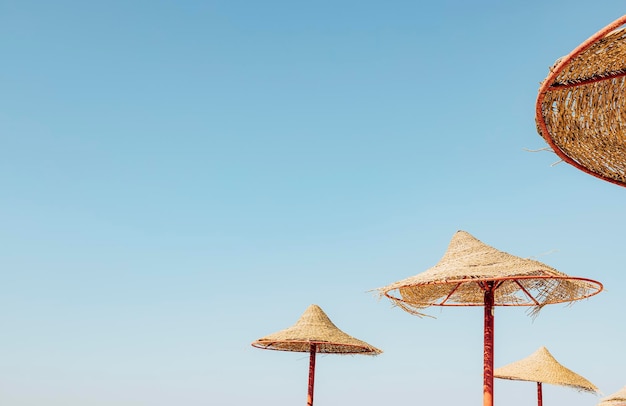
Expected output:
(399, 303)
(544, 149)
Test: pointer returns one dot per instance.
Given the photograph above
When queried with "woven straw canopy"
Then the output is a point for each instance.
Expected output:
(460, 276)
(616, 399)
(581, 105)
(542, 367)
(314, 327)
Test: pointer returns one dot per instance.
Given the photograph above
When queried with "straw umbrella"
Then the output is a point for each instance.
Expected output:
(542, 367)
(313, 333)
(616, 399)
(581, 105)
(472, 273)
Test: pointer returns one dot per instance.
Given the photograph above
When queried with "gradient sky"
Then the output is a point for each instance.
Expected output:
(180, 178)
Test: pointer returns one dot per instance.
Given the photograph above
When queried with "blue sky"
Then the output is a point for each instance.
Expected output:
(178, 179)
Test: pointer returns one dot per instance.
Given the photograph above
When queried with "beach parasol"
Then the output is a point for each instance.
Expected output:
(616, 399)
(542, 367)
(313, 333)
(581, 105)
(472, 273)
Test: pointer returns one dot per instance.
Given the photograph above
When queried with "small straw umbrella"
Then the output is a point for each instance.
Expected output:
(313, 333)
(472, 273)
(616, 399)
(581, 105)
(542, 367)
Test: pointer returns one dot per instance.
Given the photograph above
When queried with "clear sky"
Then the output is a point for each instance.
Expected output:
(180, 178)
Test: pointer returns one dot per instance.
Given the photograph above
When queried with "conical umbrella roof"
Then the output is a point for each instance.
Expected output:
(581, 105)
(458, 279)
(542, 367)
(314, 327)
(616, 399)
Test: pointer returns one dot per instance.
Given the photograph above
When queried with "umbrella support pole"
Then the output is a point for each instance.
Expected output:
(309, 401)
(539, 395)
(488, 346)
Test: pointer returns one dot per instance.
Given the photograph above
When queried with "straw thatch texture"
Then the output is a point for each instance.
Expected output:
(542, 367)
(314, 327)
(581, 106)
(616, 399)
(461, 276)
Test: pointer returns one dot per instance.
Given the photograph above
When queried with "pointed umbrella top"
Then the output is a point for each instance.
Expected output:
(616, 399)
(542, 367)
(458, 280)
(314, 327)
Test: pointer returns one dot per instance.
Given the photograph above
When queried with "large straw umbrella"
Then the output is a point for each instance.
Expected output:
(472, 273)
(581, 106)
(542, 367)
(616, 399)
(313, 333)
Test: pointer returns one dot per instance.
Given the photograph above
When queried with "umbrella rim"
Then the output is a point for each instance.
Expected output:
(459, 281)
(265, 345)
(578, 388)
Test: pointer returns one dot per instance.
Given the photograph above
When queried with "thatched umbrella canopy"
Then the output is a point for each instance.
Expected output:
(581, 105)
(616, 399)
(472, 273)
(313, 333)
(542, 367)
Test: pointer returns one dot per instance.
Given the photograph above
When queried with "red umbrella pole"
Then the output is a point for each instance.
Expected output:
(488, 350)
(539, 394)
(309, 401)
